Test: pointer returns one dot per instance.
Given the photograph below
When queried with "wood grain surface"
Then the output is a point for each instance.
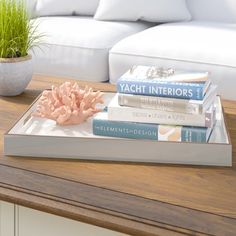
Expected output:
(136, 199)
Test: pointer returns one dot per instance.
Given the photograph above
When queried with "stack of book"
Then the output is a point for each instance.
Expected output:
(160, 104)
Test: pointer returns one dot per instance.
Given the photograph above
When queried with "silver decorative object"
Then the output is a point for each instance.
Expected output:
(159, 72)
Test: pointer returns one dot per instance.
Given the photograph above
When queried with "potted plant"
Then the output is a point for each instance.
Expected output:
(17, 36)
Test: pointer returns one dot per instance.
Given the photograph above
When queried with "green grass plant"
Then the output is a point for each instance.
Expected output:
(17, 33)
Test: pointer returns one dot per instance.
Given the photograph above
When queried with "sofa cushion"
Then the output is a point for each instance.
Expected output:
(213, 10)
(66, 7)
(78, 47)
(192, 45)
(31, 6)
(147, 10)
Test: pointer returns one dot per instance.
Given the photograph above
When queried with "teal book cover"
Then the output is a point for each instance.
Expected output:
(122, 129)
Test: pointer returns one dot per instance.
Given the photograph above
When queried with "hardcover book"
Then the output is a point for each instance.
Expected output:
(103, 126)
(133, 114)
(152, 81)
(169, 104)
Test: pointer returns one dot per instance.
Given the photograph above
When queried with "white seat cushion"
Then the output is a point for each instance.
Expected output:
(192, 45)
(78, 47)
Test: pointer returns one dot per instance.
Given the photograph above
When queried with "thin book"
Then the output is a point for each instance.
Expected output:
(133, 114)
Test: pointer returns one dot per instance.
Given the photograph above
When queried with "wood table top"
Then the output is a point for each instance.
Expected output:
(137, 199)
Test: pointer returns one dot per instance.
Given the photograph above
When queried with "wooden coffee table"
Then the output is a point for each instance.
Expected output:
(135, 199)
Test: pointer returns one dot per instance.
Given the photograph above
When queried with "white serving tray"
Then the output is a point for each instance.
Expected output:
(37, 137)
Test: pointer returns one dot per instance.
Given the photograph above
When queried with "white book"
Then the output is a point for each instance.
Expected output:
(133, 114)
(169, 104)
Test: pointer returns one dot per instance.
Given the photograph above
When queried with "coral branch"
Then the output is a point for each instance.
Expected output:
(68, 104)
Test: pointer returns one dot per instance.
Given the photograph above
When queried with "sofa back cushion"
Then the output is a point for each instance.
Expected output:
(147, 10)
(213, 10)
(66, 7)
(31, 4)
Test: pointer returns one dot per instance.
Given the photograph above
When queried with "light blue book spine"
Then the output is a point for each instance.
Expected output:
(161, 88)
(134, 130)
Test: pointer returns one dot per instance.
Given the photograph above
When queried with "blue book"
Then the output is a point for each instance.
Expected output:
(121, 129)
(152, 81)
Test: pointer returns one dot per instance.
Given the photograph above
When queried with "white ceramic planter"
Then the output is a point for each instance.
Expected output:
(15, 74)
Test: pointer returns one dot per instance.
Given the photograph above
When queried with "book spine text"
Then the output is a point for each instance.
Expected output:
(159, 103)
(160, 117)
(161, 89)
(149, 131)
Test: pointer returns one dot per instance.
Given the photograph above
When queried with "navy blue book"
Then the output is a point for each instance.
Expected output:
(121, 129)
(153, 81)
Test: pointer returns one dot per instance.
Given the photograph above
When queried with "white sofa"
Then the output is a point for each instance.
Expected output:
(78, 47)
(84, 48)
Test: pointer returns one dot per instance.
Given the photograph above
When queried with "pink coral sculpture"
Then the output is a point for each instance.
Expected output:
(68, 104)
